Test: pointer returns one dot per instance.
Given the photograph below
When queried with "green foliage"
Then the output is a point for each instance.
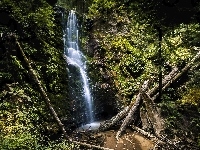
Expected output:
(181, 120)
(178, 44)
(16, 122)
(79, 6)
(170, 112)
(61, 145)
(22, 124)
(192, 97)
(125, 41)
(99, 7)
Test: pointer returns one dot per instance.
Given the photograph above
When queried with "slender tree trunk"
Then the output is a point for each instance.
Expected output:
(48, 102)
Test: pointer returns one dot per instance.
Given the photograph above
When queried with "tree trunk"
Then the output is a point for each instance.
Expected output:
(154, 114)
(129, 117)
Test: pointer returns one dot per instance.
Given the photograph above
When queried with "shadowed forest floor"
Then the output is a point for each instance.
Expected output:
(129, 141)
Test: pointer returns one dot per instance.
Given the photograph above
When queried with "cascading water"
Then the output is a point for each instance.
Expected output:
(76, 59)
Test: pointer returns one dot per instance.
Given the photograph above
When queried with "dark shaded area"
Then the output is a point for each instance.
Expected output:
(169, 13)
(174, 12)
(52, 2)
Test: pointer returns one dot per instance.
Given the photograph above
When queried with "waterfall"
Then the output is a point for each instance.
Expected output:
(76, 58)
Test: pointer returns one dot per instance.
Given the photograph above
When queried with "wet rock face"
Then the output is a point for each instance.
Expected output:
(105, 105)
(75, 96)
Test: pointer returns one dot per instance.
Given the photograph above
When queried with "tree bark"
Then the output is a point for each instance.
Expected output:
(154, 114)
(129, 117)
(48, 102)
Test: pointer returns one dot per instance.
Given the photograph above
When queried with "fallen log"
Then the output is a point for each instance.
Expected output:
(171, 77)
(48, 102)
(146, 134)
(128, 118)
(133, 109)
(155, 115)
(158, 123)
(157, 120)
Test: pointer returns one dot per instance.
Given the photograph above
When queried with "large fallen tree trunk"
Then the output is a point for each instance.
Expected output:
(48, 102)
(133, 109)
(109, 123)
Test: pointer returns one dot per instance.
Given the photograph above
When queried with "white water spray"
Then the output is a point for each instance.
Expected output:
(77, 59)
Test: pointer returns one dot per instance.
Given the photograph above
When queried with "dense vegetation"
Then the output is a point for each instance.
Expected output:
(120, 39)
(25, 121)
